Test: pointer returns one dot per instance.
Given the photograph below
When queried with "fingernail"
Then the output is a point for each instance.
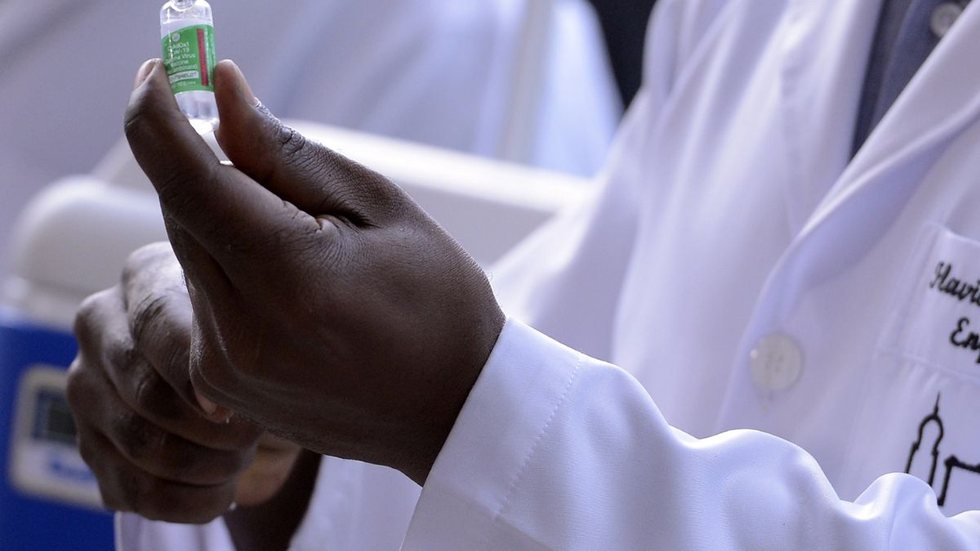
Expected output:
(213, 411)
(144, 71)
(208, 406)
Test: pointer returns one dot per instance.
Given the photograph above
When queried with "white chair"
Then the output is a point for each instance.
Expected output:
(74, 237)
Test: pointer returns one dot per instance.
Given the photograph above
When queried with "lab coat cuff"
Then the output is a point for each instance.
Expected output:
(135, 533)
(510, 408)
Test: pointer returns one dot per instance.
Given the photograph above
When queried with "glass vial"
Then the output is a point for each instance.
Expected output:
(187, 31)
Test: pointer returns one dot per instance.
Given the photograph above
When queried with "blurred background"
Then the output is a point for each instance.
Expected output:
(491, 113)
(453, 74)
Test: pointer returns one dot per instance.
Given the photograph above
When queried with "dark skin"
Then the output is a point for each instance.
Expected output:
(321, 305)
(141, 429)
(270, 525)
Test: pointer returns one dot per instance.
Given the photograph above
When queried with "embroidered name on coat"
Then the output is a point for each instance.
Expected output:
(962, 335)
(945, 282)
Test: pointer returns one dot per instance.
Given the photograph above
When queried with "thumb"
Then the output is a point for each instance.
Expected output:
(308, 175)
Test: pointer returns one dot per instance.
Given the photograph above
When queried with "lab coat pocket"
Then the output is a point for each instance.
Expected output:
(921, 413)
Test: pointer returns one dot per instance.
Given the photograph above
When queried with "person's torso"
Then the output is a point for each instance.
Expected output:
(775, 285)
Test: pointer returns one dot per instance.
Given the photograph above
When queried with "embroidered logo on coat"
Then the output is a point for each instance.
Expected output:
(951, 463)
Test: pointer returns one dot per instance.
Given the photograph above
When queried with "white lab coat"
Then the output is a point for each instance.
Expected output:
(748, 275)
(440, 72)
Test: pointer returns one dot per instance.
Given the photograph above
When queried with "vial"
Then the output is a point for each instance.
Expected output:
(187, 31)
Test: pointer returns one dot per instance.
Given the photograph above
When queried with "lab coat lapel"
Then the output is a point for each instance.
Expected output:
(864, 202)
(821, 78)
(939, 101)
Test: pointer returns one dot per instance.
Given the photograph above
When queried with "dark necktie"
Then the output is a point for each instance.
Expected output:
(906, 34)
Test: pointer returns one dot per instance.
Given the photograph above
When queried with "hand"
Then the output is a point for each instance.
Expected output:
(140, 428)
(268, 471)
(328, 306)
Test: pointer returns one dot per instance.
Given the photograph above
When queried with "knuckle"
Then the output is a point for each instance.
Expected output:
(143, 258)
(146, 389)
(75, 390)
(168, 455)
(120, 355)
(299, 153)
(147, 315)
(150, 394)
(291, 142)
(86, 311)
(89, 315)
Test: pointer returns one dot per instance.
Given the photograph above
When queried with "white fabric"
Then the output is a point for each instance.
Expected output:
(731, 212)
(440, 72)
(555, 450)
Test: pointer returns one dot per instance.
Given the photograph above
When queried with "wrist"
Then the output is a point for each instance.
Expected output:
(443, 414)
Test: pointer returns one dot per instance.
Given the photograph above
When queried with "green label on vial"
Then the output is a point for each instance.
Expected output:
(188, 55)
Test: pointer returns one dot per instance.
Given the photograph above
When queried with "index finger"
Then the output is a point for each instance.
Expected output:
(217, 205)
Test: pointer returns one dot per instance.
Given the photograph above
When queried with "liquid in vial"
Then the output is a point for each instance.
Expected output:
(187, 31)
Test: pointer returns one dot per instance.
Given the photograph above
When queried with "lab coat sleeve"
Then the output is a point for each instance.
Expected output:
(555, 450)
(135, 533)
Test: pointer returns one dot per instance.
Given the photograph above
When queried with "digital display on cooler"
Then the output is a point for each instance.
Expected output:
(44, 458)
(53, 421)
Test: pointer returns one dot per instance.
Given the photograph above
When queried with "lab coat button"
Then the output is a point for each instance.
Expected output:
(943, 18)
(776, 362)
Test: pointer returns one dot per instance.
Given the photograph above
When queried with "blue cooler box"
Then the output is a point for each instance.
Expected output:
(49, 500)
